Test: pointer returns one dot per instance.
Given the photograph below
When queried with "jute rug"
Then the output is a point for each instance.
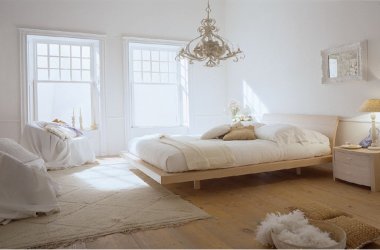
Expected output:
(96, 201)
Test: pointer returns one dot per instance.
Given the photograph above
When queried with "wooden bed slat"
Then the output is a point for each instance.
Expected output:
(166, 178)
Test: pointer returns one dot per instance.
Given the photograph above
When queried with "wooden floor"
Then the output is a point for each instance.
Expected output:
(237, 204)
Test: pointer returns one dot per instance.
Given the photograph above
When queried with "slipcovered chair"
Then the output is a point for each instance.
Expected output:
(57, 152)
(25, 186)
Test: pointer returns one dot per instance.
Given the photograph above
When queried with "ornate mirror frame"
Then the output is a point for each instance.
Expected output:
(360, 51)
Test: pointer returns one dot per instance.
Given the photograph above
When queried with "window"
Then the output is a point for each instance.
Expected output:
(64, 75)
(158, 83)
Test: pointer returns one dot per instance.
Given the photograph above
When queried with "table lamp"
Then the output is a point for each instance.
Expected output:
(372, 105)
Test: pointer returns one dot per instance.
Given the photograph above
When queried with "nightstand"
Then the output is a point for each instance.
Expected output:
(359, 166)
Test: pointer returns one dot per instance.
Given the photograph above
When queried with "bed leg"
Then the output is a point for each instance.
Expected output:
(298, 170)
(197, 185)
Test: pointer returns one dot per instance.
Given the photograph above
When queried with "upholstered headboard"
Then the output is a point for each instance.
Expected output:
(324, 124)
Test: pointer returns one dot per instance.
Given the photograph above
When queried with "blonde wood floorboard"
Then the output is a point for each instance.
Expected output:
(237, 204)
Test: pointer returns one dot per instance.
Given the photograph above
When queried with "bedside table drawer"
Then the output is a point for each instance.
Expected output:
(355, 172)
(362, 160)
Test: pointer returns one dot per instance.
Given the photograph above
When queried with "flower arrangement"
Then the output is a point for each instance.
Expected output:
(234, 108)
(236, 114)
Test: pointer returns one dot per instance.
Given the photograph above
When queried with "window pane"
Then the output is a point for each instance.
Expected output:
(148, 112)
(53, 102)
(164, 67)
(86, 52)
(137, 77)
(155, 67)
(65, 75)
(146, 55)
(86, 75)
(75, 74)
(86, 64)
(155, 56)
(137, 66)
(75, 63)
(54, 75)
(43, 74)
(156, 77)
(42, 62)
(75, 51)
(146, 66)
(136, 54)
(146, 77)
(163, 56)
(54, 62)
(54, 49)
(164, 77)
(65, 50)
(42, 49)
(65, 63)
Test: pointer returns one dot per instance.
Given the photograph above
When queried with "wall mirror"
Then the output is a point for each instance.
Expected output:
(345, 63)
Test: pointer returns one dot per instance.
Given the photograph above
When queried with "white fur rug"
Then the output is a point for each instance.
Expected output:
(96, 201)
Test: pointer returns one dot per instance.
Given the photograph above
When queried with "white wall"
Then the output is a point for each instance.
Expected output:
(165, 19)
(282, 40)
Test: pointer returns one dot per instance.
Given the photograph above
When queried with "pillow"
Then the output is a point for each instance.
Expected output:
(280, 133)
(311, 136)
(15, 150)
(240, 133)
(358, 233)
(216, 132)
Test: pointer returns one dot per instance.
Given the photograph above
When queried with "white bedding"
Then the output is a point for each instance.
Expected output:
(170, 159)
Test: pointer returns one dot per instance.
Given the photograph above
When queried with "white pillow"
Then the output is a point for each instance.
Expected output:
(280, 133)
(216, 132)
(312, 136)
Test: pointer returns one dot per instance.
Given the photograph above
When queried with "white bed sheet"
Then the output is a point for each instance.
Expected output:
(170, 159)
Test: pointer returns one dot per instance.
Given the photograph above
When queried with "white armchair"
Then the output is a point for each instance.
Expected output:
(56, 152)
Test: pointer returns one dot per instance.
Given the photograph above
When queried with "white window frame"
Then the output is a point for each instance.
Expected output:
(183, 126)
(28, 113)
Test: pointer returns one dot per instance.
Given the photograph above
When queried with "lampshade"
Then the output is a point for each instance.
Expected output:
(371, 105)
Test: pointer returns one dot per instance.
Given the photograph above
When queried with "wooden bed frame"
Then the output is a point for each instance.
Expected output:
(326, 125)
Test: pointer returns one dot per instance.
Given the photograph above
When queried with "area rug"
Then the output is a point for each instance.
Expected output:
(96, 201)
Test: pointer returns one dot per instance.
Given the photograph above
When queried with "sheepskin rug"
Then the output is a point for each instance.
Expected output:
(294, 229)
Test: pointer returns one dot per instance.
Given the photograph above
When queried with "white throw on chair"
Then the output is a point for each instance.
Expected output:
(57, 153)
(25, 186)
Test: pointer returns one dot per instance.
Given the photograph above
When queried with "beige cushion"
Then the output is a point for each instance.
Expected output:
(358, 233)
(240, 133)
(216, 132)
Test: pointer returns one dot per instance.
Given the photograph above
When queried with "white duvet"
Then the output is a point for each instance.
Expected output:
(171, 159)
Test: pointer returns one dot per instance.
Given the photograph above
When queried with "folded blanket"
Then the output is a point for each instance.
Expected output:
(62, 130)
(202, 154)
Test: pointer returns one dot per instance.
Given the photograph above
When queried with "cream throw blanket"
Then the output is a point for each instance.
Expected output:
(202, 154)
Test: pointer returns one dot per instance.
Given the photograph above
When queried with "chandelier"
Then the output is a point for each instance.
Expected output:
(209, 46)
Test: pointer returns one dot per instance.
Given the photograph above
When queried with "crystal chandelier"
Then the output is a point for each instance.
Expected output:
(209, 46)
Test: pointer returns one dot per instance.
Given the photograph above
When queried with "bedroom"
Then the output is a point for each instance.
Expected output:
(280, 74)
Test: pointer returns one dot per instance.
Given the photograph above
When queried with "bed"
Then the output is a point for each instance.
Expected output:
(166, 166)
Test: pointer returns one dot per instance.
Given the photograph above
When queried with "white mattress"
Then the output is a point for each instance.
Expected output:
(170, 159)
